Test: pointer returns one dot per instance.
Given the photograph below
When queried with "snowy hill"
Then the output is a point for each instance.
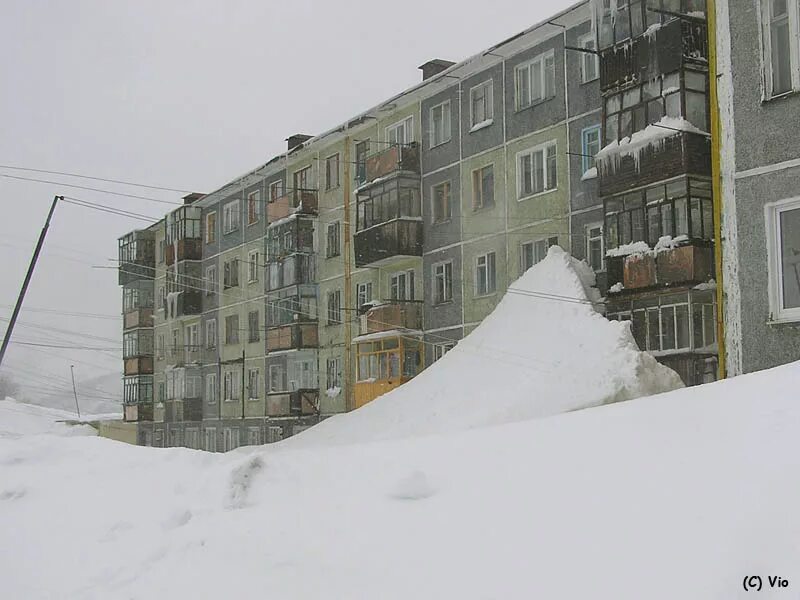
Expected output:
(18, 419)
(544, 350)
(99, 395)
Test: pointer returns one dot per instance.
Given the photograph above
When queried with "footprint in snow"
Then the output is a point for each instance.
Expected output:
(415, 486)
(241, 481)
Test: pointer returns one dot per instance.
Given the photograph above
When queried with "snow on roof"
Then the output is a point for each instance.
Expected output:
(371, 337)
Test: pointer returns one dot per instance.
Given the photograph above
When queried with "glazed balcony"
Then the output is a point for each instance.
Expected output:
(692, 263)
(404, 315)
(136, 256)
(139, 365)
(667, 156)
(393, 159)
(134, 413)
(292, 336)
(181, 304)
(185, 249)
(294, 403)
(299, 201)
(400, 237)
(663, 50)
(140, 317)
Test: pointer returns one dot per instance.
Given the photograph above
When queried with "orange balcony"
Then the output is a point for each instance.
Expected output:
(187, 249)
(296, 201)
(684, 264)
(295, 335)
(391, 160)
(394, 315)
(139, 365)
(297, 403)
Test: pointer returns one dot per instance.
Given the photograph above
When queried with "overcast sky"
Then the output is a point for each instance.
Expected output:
(186, 95)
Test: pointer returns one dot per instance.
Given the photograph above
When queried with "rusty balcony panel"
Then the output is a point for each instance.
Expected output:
(396, 315)
(296, 335)
(140, 365)
(391, 160)
(685, 264)
(296, 201)
(400, 237)
(134, 413)
(187, 249)
(141, 317)
(278, 404)
(681, 154)
(639, 271)
(193, 409)
(303, 402)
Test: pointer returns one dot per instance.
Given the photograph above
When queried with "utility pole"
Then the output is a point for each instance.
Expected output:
(348, 283)
(243, 351)
(27, 281)
(75, 391)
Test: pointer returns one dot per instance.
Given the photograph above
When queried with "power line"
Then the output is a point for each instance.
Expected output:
(66, 313)
(141, 185)
(108, 209)
(66, 347)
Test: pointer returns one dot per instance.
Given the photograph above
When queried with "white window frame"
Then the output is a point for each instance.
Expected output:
(439, 350)
(589, 239)
(533, 243)
(333, 372)
(367, 285)
(192, 337)
(332, 177)
(231, 217)
(447, 286)
(407, 126)
(541, 148)
(253, 373)
(334, 317)
(252, 266)
(477, 191)
(588, 161)
(487, 280)
(254, 198)
(446, 124)
(274, 372)
(211, 390)
(212, 281)
(523, 103)
(488, 87)
(211, 334)
(333, 250)
(442, 218)
(211, 239)
(409, 285)
(210, 441)
(772, 211)
(793, 7)
(589, 42)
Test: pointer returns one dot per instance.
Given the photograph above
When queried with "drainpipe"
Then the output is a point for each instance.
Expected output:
(716, 179)
(348, 286)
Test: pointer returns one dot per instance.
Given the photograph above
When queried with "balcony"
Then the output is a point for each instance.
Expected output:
(134, 413)
(663, 50)
(397, 238)
(181, 356)
(296, 403)
(295, 269)
(139, 365)
(292, 336)
(392, 160)
(296, 201)
(391, 316)
(664, 157)
(140, 317)
(682, 265)
(181, 304)
(185, 249)
(136, 256)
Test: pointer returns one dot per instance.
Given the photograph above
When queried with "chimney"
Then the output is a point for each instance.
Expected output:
(297, 139)
(194, 196)
(434, 67)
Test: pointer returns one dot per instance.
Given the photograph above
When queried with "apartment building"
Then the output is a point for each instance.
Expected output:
(759, 65)
(341, 268)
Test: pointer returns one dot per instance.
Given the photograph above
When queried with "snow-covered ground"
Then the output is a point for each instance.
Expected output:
(677, 495)
(19, 418)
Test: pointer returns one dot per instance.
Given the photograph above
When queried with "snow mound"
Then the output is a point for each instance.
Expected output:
(18, 418)
(544, 350)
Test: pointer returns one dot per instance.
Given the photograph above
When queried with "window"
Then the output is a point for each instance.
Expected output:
(537, 170)
(533, 252)
(303, 375)
(590, 69)
(232, 329)
(594, 247)
(485, 277)
(252, 266)
(334, 373)
(210, 439)
(439, 350)
(441, 202)
(590, 146)
(389, 359)
(211, 280)
(230, 217)
(398, 198)
(535, 80)
(333, 247)
(211, 334)
(626, 19)
(252, 384)
(211, 228)
(363, 294)
(483, 187)
(362, 148)
(253, 207)
(780, 20)
(230, 386)
(332, 172)
(440, 124)
(481, 104)
(253, 330)
(162, 297)
(231, 273)
(160, 346)
(275, 190)
(783, 243)
(401, 133)
(302, 179)
(162, 251)
(401, 286)
(192, 337)
(211, 388)
(442, 282)
(277, 379)
(230, 438)
(334, 307)
(253, 436)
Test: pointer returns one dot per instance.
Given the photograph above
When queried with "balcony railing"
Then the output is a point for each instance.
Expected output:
(186, 249)
(391, 160)
(136, 257)
(400, 237)
(134, 413)
(296, 403)
(139, 365)
(292, 336)
(396, 314)
(140, 317)
(685, 264)
(295, 201)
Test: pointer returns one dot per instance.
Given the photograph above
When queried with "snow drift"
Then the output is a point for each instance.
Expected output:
(19, 418)
(544, 350)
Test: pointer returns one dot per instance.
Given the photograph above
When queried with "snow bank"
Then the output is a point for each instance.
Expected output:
(534, 356)
(18, 418)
